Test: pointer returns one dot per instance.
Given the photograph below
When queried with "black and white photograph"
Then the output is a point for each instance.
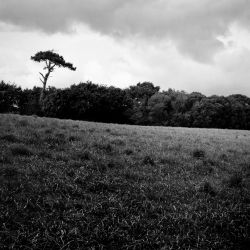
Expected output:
(125, 124)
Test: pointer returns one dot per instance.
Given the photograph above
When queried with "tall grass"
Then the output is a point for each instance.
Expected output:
(81, 185)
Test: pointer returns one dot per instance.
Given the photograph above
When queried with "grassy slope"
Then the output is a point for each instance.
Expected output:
(68, 184)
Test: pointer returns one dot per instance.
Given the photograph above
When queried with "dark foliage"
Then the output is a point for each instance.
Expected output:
(9, 97)
(53, 57)
(88, 101)
(142, 104)
(29, 101)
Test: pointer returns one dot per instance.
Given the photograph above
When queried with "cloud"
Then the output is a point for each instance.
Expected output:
(192, 25)
(104, 60)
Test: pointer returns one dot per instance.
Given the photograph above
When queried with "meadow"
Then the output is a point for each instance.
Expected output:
(82, 185)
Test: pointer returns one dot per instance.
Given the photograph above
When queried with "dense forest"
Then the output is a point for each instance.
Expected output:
(142, 104)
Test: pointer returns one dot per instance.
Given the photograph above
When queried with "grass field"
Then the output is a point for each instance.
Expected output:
(81, 185)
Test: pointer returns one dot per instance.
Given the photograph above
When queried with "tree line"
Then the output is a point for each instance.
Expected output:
(141, 104)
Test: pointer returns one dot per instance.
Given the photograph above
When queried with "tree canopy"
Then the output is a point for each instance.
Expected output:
(51, 60)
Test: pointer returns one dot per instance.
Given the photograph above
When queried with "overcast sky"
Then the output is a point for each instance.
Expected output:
(191, 45)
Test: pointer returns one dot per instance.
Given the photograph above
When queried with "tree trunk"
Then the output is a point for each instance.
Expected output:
(42, 95)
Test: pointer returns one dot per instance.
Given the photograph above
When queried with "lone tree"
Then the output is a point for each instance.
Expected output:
(51, 60)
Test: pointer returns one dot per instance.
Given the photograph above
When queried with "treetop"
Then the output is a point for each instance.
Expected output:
(52, 57)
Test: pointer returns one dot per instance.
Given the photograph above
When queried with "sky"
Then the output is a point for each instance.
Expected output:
(190, 45)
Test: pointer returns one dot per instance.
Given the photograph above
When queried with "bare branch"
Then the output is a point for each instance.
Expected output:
(42, 75)
(41, 80)
(52, 67)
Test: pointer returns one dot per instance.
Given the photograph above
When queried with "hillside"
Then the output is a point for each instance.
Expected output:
(82, 185)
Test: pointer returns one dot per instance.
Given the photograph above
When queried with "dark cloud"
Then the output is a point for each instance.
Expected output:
(193, 25)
